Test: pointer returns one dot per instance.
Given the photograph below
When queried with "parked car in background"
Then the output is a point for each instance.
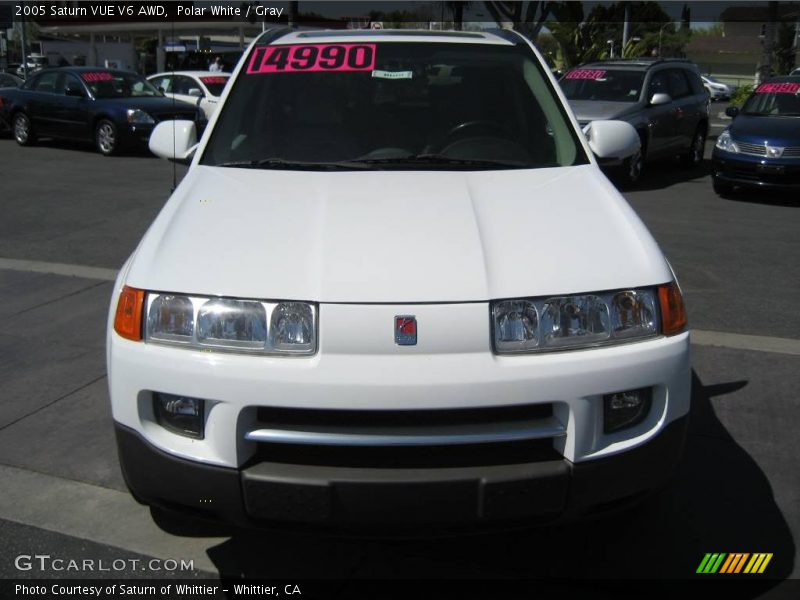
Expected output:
(202, 88)
(395, 289)
(112, 108)
(795, 73)
(9, 80)
(664, 100)
(761, 147)
(716, 89)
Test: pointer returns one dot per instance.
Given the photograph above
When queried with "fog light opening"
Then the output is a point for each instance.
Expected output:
(180, 414)
(622, 410)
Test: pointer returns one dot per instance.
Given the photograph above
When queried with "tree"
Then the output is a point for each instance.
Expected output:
(527, 18)
(784, 48)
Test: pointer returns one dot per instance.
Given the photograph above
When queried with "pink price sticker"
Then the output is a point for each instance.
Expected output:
(214, 80)
(312, 58)
(586, 74)
(97, 76)
(778, 88)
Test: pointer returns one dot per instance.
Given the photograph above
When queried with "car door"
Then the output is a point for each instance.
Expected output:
(660, 119)
(42, 103)
(71, 112)
(684, 108)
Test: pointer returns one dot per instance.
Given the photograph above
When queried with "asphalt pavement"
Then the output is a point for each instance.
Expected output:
(71, 218)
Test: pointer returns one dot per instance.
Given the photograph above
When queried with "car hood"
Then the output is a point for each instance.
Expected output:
(589, 110)
(156, 105)
(395, 237)
(774, 131)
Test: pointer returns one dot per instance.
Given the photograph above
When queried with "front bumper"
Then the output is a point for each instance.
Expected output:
(756, 172)
(521, 427)
(273, 493)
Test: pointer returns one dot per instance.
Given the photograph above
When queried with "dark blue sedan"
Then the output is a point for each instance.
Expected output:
(761, 148)
(113, 109)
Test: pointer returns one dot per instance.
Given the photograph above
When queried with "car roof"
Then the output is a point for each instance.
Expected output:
(639, 64)
(289, 36)
(72, 69)
(191, 74)
(783, 79)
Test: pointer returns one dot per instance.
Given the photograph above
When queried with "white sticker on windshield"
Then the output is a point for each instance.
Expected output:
(392, 74)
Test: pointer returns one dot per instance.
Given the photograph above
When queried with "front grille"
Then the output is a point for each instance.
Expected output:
(398, 457)
(791, 151)
(503, 452)
(753, 149)
(269, 415)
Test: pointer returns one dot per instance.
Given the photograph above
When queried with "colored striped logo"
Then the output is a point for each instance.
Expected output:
(737, 562)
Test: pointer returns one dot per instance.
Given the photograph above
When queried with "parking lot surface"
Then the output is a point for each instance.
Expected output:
(71, 218)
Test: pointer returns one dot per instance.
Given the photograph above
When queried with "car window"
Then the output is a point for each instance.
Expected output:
(609, 85)
(774, 99)
(215, 84)
(695, 82)
(487, 103)
(182, 84)
(46, 82)
(67, 80)
(117, 84)
(658, 84)
(165, 83)
(678, 84)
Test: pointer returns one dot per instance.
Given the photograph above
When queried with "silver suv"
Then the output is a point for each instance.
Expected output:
(664, 100)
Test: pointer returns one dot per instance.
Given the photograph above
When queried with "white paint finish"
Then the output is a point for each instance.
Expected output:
(402, 380)
(398, 237)
(96, 514)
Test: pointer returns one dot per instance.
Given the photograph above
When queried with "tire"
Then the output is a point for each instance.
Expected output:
(693, 157)
(106, 137)
(721, 188)
(632, 169)
(22, 130)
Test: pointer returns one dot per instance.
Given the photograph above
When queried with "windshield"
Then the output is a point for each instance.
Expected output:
(215, 84)
(774, 99)
(392, 105)
(117, 84)
(604, 85)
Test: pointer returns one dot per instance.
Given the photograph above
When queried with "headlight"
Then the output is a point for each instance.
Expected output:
(579, 321)
(725, 142)
(139, 117)
(234, 325)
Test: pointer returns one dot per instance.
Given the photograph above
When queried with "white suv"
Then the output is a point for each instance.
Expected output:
(395, 288)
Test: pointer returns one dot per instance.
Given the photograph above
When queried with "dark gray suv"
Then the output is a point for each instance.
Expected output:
(664, 100)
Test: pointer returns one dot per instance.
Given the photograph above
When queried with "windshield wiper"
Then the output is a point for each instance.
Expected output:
(282, 163)
(440, 159)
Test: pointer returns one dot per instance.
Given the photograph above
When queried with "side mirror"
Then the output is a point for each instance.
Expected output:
(162, 90)
(612, 139)
(732, 111)
(659, 99)
(196, 92)
(75, 92)
(174, 140)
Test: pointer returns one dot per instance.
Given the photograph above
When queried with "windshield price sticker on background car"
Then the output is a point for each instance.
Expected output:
(778, 88)
(312, 58)
(214, 80)
(586, 74)
(97, 76)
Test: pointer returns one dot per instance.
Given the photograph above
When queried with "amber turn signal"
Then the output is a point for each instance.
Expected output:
(673, 313)
(128, 319)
